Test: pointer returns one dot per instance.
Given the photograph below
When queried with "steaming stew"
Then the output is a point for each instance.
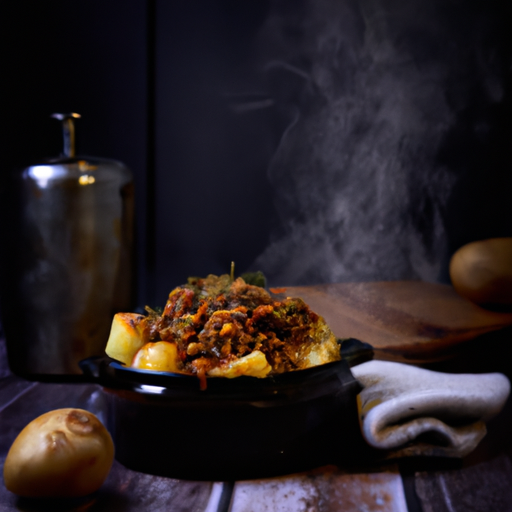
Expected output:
(223, 327)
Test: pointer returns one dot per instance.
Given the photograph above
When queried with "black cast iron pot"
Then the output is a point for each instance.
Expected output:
(164, 424)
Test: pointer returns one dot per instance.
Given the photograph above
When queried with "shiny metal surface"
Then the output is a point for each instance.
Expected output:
(70, 267)
(68, 127)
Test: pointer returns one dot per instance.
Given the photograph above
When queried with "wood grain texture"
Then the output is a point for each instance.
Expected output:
(410, 321)
(326, 490)
(481, 488)
(124, 491)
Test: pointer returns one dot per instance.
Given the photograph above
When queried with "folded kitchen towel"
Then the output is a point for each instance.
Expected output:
(414, 411)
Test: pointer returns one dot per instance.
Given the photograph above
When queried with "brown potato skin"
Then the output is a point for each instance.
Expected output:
(482, 272)
(63, 453)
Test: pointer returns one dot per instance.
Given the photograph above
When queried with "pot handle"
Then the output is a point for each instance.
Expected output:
(95, 368)
(355, 351)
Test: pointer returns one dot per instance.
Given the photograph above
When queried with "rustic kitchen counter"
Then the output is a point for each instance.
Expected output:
(481, 482)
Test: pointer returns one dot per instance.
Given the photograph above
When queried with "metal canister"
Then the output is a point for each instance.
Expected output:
(68, 259)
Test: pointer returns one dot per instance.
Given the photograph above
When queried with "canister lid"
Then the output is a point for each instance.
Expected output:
(69, 165)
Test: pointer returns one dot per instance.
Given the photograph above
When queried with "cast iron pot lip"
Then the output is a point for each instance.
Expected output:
(294, 386)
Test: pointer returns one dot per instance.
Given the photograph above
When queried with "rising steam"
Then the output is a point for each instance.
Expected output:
(371, 92)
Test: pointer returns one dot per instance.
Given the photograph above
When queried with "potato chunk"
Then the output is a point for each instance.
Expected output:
(125, 337)
(254, 364)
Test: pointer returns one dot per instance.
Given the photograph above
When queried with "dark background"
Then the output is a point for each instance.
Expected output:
(318, 141)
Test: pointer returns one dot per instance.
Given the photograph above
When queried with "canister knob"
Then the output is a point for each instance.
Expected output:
(68, 131)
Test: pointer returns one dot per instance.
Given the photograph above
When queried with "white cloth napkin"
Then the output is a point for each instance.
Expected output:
(421, 412)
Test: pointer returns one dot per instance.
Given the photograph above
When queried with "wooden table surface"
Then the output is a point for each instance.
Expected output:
(480, 482)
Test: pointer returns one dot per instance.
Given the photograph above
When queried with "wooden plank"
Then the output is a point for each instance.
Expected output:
(480, 488)
(123, 491)
(326, 490)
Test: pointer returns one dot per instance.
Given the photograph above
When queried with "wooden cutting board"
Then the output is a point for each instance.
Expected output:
(409, 321)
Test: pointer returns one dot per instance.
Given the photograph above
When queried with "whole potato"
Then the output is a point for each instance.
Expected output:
(63, 453)
(482, 272)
